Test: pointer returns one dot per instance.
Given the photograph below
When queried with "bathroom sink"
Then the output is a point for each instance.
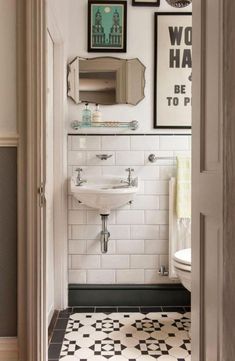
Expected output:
(104, 193)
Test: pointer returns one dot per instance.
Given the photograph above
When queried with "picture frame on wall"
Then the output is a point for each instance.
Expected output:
(173, 70)
(146, 2)
(107, 26)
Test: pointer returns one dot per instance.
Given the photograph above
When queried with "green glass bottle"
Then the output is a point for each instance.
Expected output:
(86, 116)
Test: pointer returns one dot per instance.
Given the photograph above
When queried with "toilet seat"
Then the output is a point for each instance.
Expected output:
(182, 265)
(182, 260)
(183, 256)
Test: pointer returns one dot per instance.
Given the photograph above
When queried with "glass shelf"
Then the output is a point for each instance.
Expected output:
(133, 125)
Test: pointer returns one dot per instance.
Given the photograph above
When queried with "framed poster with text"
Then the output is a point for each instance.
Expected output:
(173, 70)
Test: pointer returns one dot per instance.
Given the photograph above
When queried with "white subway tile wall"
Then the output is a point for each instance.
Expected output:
(138, 243)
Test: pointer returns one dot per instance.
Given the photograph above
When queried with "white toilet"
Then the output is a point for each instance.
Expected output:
(182, 264)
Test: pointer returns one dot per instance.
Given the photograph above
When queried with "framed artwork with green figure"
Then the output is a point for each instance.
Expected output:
(107, 26)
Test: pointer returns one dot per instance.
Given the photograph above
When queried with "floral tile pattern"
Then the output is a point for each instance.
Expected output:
(161, 336)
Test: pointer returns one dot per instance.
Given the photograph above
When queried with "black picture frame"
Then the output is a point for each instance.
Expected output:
(156, 124)
(107, 48)
(147, 3)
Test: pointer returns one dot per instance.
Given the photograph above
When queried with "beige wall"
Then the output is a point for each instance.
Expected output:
(8, 67)
(140, 44)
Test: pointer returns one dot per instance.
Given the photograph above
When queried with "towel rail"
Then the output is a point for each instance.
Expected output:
(153, 158)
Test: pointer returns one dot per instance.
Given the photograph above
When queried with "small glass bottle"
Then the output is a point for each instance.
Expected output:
(86, 116)
(97, 116)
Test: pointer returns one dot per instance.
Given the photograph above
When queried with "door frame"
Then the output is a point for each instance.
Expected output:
(35, 114)
(35, 32)
(228, 51)
(60, 169)
(36, 106)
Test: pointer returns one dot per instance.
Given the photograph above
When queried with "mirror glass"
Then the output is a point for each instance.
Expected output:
(106, 80)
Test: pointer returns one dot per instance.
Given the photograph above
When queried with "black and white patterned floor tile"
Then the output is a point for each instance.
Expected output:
(127, 337)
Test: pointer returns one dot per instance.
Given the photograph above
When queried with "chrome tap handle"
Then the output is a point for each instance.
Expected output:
(79, 170)
(130, 170)
(78, 179)
(129, 178)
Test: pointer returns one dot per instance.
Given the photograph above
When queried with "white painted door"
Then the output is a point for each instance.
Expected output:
(207, 197)
(49, 187)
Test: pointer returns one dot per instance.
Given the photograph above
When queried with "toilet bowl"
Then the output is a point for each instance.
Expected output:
(182, 264)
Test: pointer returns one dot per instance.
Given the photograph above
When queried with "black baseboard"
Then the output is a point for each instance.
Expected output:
(52, 325)
(128, 295)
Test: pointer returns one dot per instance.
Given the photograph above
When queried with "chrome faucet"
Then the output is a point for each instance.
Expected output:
(130, 180)
(79, 181)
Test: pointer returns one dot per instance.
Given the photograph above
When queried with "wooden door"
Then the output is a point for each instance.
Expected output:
(49, 186)
(207, 182)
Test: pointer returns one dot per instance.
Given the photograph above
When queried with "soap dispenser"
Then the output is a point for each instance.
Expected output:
(86, 116)
(97, 116)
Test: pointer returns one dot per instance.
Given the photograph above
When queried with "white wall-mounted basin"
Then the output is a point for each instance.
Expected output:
(104, 193)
